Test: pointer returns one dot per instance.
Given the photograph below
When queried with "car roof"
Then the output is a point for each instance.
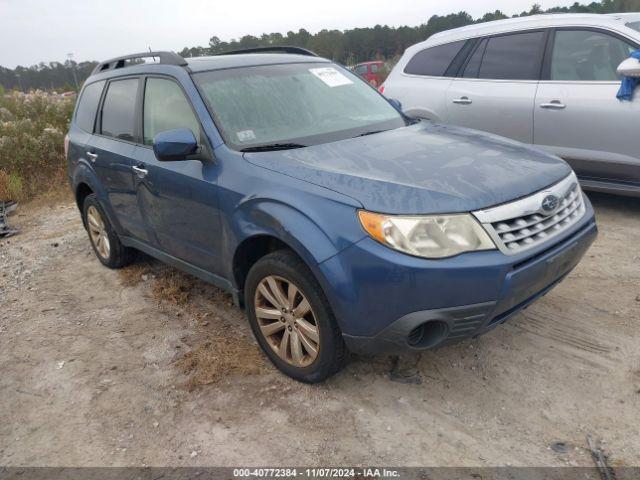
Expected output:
(220, 62)
(530, 22)
(203, 64)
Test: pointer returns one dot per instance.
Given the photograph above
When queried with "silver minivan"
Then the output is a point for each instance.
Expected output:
(547, 80)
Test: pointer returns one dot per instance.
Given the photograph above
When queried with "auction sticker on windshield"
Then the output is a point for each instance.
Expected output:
(246, 135)
(330, 76)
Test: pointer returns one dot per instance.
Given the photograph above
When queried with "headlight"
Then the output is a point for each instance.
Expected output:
(433, 236)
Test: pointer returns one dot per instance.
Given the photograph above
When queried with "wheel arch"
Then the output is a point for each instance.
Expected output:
(82, 191)
(252, 249)
(85, 182)
(264, 226)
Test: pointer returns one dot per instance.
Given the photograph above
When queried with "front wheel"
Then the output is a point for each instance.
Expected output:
(291, 318)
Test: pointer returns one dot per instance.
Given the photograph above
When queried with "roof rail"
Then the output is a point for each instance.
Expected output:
(166, 58)
(274, 49)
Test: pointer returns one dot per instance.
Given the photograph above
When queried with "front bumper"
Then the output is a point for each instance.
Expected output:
(389, 302)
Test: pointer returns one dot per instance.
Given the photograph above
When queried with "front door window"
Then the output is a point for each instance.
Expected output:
(587, 56)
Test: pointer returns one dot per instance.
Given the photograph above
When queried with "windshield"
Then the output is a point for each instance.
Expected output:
(293, 105)
(634, 25)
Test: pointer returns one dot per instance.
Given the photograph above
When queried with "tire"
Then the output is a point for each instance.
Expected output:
(281, 267)
(115, 255)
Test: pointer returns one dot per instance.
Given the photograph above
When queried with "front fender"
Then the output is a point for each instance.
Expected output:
(314, 237)
(309, 236)
(319, 244)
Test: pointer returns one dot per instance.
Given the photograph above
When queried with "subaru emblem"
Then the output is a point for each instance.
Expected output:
(549, 204)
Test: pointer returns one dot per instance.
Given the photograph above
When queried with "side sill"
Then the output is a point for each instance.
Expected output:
(204, 275)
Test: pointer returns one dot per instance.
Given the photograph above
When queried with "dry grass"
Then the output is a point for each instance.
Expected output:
(173, 286)
(32, 129)
(219, 357)
(223, 346)
(136, 273)
(167, 284)
(57, 193)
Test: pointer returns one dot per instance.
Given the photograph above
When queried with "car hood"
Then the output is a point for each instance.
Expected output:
(423, 168)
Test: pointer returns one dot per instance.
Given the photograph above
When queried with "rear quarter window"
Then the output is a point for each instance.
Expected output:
(434, 61)
(88, 106)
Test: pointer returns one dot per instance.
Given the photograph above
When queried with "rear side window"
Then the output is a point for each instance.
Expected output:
(473, 67)
(118, 110)
(166, 108)
(88, 106)
(434, 61)
(513, 57)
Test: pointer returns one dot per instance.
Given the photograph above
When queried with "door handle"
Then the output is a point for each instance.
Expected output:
(140, 172)
(462, 101)
(553, 105)
(92, 156)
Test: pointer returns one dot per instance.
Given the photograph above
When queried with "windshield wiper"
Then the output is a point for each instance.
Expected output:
(272, 147)
(373, 132)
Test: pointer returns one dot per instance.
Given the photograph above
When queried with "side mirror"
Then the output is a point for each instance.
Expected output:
(629, 68)
(395, 104)
(175, 144)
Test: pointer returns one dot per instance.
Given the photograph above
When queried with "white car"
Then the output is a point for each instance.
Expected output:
(547, 80)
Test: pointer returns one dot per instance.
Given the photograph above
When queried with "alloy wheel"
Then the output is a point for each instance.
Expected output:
(98, 232)
(287, 321)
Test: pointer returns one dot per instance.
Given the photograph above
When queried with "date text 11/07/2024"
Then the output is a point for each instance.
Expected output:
(316, 472)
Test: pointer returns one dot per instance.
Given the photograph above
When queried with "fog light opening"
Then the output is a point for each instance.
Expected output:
(415, 336)
(427, 334)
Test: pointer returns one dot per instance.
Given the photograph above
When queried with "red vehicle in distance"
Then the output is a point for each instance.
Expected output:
(373, 72)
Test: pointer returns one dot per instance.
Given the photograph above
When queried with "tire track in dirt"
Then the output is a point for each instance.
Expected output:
(569, 337)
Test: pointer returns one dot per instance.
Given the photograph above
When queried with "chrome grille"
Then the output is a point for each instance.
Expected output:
(523, 224)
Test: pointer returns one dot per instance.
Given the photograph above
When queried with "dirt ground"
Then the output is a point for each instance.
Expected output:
(148, 366)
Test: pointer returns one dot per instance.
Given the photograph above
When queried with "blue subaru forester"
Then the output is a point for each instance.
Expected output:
(339, 223)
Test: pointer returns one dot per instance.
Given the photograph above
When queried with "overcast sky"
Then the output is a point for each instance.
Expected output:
(43, 30)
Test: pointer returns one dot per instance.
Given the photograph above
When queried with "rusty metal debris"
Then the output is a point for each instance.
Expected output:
(600, 459)
(405, 370)
(7, 207)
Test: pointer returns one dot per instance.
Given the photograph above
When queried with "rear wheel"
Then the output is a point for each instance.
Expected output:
(106, 244)
(291, 318)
